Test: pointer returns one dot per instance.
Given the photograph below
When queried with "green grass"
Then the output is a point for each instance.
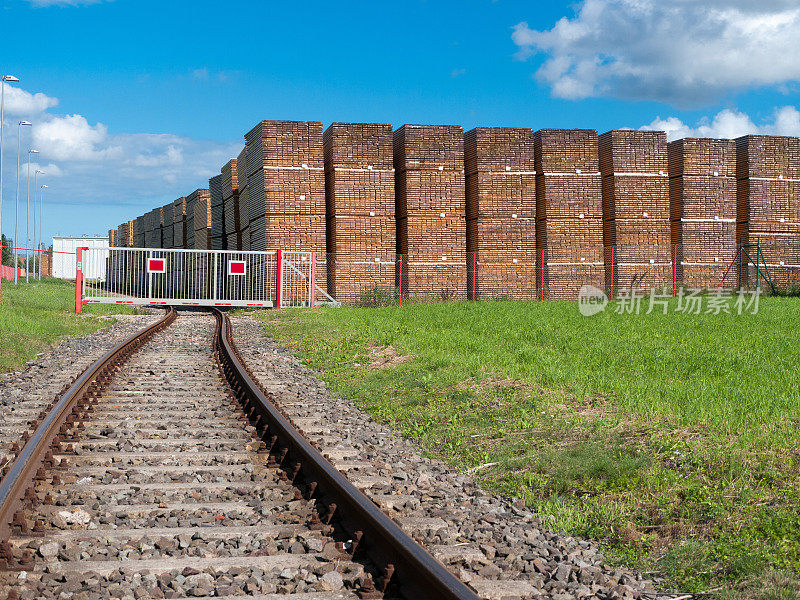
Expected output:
(672, 439)
(36, 315)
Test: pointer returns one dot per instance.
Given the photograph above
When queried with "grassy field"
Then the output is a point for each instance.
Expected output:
(672, 439)
(34, 316)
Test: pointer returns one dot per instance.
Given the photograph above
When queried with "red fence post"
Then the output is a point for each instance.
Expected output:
(278, 277)
(541, 277)
(612, 274)
(474, 273)
(313, 279)
(79, 279)
(400, 286)
(674, 269)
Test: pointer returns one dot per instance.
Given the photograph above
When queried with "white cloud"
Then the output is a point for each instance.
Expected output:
(201, 74)
(87, 164)
(729, 124)
(71, 138)
(457, 73)
(19, 102)
(679, 51)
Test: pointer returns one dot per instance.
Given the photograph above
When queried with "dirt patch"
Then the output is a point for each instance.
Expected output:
(492, 382)
(384, 357)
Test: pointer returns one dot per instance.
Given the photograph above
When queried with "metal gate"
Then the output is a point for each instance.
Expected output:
(194, 277)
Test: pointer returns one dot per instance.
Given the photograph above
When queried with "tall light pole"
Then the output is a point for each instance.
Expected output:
(41, 217)
(16, 210)
(36, 248)
(28, 217)
(10, 79)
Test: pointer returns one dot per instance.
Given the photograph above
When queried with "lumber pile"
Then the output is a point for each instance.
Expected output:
(149, 225)
(768, 202)
(285, 181)
(702, 189)
(285, 192)
(198, 220)
(230, 201)
(244, 217)
(430, 210)
(179, 223)
(125, 234)
(636, 217)
(218, 241)
(122, 235)
(139, 232)
(46, 264)
(569, 214)
(499, 165)
(360, 204)
(167, 225)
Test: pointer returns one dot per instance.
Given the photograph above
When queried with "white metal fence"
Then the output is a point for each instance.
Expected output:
(196, 277)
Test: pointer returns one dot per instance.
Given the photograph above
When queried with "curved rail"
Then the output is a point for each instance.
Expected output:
(62, 415)
(406, 564)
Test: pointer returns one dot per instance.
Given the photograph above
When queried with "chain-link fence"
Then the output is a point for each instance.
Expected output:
(557, 273)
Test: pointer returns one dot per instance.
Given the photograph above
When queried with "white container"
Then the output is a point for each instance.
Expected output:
(64, 264)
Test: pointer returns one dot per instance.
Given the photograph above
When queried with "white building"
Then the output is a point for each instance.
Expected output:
(64, 264)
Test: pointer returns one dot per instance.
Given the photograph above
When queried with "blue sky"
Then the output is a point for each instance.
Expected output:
(140, 101)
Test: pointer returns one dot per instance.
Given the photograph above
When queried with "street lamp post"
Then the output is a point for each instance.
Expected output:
(10, 79)
(35, 246)
(16, 210)
(28, 217)
(41, 217)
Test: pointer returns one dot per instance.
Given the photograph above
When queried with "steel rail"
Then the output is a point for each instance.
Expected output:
(31, 458)
(411, 569)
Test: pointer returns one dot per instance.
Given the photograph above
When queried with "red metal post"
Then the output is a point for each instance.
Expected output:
(400, 287)
(79, 279)
(474, 273)
(313, 279)
(674, 269)
(612, 274)
(278, 277)
(541, 277)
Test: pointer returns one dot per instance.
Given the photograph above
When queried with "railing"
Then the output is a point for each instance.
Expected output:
(194, 277)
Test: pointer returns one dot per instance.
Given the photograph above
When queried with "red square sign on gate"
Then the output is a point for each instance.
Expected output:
(237, 267)
(156, 265)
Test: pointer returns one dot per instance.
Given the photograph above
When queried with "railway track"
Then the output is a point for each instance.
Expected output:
(164, 471)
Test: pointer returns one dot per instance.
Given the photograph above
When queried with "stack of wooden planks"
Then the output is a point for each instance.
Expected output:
(360, 204)
(244, 217)
(179, 223)
(702, 189)
(230, 200)
(636, 217)
(569, 215)
(499, 165)
(218, 241)
(430, 210)
(139, 232)
(285, 195)
(768, 202)
(198, 220)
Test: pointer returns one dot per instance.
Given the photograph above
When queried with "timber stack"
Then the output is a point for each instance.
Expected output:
(360, 204)
(768, 205)
(499, 165)
(636, 217)
(430, 210)
(569, 215)
(702, 188)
